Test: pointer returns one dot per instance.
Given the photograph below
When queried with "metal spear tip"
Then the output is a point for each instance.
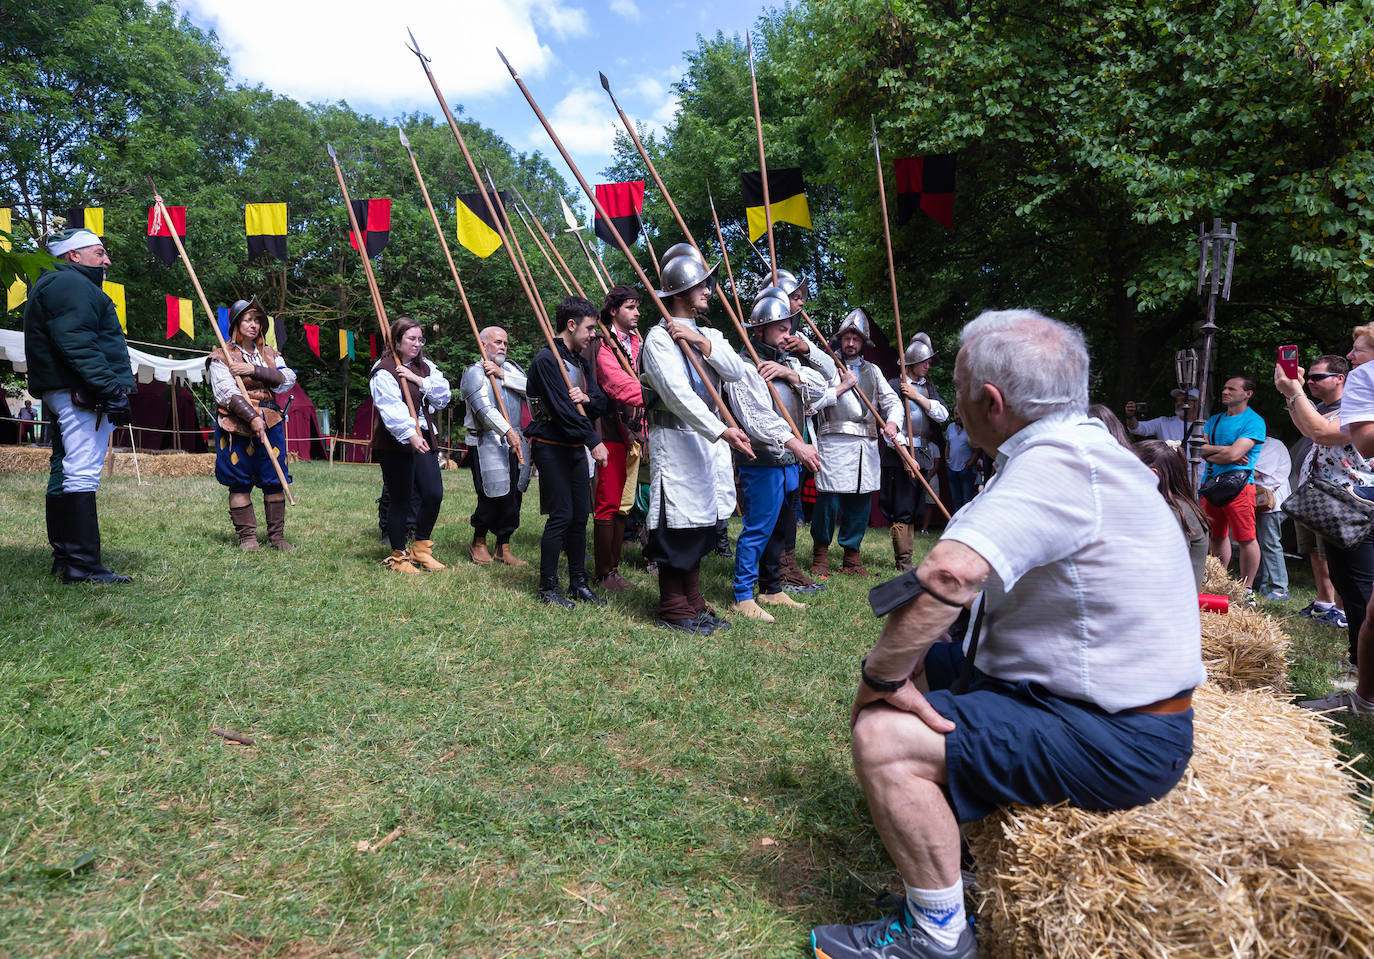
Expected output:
(414, 46)
(507, 63)
(605, 84)
(404, 142)
(330, 148)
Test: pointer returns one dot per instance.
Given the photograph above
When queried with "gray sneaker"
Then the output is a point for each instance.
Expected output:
(1344, 700)
(895, 937)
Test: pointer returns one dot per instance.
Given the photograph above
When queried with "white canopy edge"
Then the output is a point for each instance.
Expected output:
(145, 366)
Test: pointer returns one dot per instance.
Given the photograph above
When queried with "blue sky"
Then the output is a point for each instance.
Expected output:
(355, 51)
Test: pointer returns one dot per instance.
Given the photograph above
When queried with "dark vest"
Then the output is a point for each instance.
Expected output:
(381, 436)
(260, 395)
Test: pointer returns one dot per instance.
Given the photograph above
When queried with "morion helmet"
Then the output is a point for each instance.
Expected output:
(919, 349)
(679, 249)
(241, 307)
(681, 273)
(770, 306)
(856, 322)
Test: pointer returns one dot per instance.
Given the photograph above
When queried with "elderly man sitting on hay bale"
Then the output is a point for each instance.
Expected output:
(1083, 649)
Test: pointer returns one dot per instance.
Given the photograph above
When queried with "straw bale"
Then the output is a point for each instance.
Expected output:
(24, 459)
(163, 465)
(1261, 850)
(1245, 649)
(1217, 581)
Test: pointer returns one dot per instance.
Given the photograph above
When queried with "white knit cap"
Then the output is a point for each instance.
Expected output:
(69, 240)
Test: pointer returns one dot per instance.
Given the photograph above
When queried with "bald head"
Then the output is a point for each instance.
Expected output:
(494, 341)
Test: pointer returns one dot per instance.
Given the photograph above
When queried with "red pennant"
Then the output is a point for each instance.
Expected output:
(162, 228)
(312, 336)
(372, 346)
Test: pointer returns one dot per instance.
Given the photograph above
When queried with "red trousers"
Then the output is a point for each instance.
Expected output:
(610, 482)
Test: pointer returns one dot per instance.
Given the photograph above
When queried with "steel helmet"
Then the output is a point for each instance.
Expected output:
(241, 307)
(919, 349)
(770, 306)
(681, 273)
(856, 322)
(680, 249)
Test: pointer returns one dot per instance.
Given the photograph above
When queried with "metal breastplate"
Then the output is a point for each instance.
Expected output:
(848, 414)
(920, 421)
(575, 374)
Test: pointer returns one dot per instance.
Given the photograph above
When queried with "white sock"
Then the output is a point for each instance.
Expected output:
(1322, 606)
(939, 912)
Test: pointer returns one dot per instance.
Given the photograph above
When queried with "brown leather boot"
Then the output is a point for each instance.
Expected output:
(602, 550)
(246, 526)
(853, 563)
(792, 574)
(504, 555)
(820, 560)
(422, 554)
(902, 536)
(275, 507)
(478, 551)
(400, 562)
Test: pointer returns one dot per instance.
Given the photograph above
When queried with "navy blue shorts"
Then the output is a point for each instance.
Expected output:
(241, 463)
(1017, 743)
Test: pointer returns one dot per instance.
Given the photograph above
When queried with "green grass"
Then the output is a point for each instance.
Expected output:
(568, 783)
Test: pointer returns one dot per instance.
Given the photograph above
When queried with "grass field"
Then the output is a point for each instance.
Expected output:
(566, 784)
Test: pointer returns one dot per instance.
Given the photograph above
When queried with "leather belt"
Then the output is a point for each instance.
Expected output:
(1167, 707)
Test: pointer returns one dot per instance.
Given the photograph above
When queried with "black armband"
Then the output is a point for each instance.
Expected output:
(900, 590)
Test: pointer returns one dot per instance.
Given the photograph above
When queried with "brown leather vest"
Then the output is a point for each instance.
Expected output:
(381, 436)
(258, 392)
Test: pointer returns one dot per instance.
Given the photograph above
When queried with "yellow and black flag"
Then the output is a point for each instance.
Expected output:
(265, 224)
(476, 230)
(786, 196)
(87, 218)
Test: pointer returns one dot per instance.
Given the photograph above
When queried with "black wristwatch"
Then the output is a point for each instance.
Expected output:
(879, 685)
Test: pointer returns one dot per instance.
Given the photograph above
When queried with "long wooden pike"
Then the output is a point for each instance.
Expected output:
(901, 451)
(360, 241)
(162, 213)
(682, 225)
(892, 281)
(597, 266)
(644, 232)
(462, 293)
(531, 294)
(572, 278)
(724, 253)
(763, 163)
(687, 351)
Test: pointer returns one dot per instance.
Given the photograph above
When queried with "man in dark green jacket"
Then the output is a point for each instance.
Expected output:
(79, 364)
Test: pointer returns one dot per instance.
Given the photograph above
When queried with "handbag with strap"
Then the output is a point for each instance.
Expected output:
(1221, 488)
(1336, 514)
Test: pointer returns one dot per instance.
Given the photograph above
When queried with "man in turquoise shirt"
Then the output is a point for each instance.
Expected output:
(1234, 438)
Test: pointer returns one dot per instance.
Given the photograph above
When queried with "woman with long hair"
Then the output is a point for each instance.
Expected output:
(1172, 470)
(406, 446)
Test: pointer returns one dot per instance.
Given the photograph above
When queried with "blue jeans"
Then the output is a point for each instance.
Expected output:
(763, 491)
(961, 483)
(1273, 571)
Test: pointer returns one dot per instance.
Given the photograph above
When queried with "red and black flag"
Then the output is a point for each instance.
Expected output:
(786, 197)
(160, 242)
(926, 183)
(476, 230)
(265, 225)
(374, 219)
(623, 203)
(87, 218)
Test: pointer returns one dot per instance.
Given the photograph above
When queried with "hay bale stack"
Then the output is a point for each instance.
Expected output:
(24, 459)
(1220, 583)
(165, 465)
(1245, 649)
(1260, 851)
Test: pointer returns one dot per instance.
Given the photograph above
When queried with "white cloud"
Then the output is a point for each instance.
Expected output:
(355, 50)
(625, 8)
(586, 123)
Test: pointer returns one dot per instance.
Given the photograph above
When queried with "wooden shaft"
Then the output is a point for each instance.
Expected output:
(530, 294)
(658, 267)
(688, 352)
(214, 325)
(892, 281)
(595, 260)
(902, 451)
(763, 163)
(567, 290)
(462, 293)
(724, 253)
(361, 242)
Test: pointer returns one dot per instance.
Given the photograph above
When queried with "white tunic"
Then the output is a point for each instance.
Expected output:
(222, 381)
(691, 478)
(849, 464)
(391, 405)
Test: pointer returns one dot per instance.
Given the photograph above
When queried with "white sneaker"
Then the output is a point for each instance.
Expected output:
(1345, 700)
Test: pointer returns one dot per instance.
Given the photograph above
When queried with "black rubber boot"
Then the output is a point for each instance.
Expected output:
(83, 552)
(56, 510)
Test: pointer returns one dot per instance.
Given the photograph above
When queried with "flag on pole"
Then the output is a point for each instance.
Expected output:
(312, 337)
(222, 321)
(346, 344)
(372, 346)
(926, 183)
(476, 231)
(180, 317)
(18, 291)
(786, 196)
(115, 291)
(87, 218)
(623, 203)
(6, 226)
(374, 219)
(275, 334)
(265, 225)
(160, 242)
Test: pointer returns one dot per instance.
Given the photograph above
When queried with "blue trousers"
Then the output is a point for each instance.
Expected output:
(849, 511)
(961, 485)
(763, 493)
(1273, 570)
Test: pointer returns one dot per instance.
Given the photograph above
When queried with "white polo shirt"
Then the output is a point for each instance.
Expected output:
(1092, 593)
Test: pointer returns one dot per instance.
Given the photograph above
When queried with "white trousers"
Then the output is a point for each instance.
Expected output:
(83, 442)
